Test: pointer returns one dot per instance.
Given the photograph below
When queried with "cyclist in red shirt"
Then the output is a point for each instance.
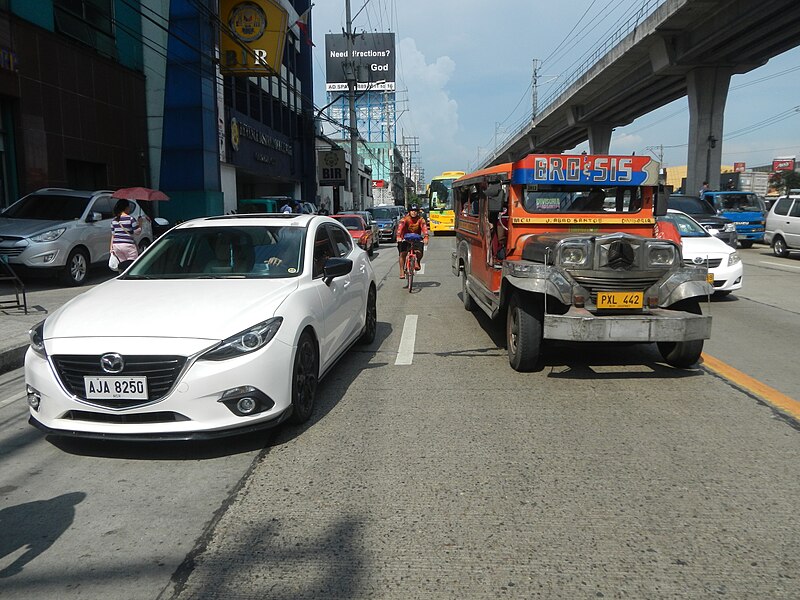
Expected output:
(413, 222)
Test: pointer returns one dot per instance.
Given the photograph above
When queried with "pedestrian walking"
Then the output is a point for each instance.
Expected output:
(123, 228)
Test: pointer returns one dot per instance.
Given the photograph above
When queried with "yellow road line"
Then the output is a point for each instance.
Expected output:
(767, 393)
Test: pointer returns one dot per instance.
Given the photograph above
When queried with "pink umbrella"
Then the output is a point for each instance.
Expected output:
(139, 193)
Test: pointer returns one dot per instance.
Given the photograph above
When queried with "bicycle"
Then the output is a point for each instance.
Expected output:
(410, 267)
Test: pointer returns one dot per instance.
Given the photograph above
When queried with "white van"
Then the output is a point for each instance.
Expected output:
(783, 225)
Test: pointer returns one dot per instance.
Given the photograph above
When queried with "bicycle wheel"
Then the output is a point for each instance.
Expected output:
(411, 262)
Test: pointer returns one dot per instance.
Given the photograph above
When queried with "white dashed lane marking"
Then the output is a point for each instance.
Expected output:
(405, 353)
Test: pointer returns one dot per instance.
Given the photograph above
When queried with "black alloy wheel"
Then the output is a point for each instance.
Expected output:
(305, 377)
(371, 320)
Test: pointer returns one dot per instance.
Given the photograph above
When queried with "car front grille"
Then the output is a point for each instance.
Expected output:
(161, 373)
(714, 262)
(11, 251)
(611, 284)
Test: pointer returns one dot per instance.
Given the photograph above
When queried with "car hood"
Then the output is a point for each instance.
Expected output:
(710, 219)
(704, 246)
(26, 227)
(211, 309)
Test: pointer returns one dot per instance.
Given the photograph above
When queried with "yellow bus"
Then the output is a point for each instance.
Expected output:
(440, 201)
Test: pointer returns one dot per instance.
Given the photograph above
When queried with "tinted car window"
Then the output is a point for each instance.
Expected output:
(383, 213)
(105, 206)
(795, 212)
(343, 241)
(323, 250)
(48, 207)
(782, 206)
(691, 205)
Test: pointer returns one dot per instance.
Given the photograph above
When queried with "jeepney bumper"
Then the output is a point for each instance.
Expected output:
(657, 325)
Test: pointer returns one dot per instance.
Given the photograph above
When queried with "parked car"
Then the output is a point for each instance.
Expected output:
(386, 216)
(747, 211)
(705, 214)
(63, 232)
(783, 225)
(358, 229)
(372, 224)
(245, 315)
(700, 248)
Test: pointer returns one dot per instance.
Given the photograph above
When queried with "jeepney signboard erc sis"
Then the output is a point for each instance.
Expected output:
(586, 169)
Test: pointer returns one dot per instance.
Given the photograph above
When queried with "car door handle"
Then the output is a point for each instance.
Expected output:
(346, 284)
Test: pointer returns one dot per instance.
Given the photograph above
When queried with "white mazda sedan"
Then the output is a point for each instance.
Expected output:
(244, 315)
(702, 249)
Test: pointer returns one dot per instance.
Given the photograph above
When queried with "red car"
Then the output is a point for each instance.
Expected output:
(359, 230)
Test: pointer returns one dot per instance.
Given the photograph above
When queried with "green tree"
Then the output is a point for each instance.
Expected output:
(783, 181)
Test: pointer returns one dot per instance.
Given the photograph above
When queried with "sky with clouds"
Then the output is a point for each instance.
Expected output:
(465, 68)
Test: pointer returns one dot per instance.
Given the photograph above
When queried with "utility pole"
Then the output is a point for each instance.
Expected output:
(350, 74)
(535, 89)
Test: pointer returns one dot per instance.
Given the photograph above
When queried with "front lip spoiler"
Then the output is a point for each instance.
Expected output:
(178, 436)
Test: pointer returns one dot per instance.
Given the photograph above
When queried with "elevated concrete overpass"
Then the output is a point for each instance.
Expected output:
(685, 47)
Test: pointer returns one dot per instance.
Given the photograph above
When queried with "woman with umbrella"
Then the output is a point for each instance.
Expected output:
(123, 228)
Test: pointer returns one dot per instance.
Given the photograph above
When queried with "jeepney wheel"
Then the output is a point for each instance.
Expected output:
(469, 303)
(683, 355)
(523, 332)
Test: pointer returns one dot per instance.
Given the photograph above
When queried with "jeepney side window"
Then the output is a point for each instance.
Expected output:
(548, 201)
(462, 201)
(474, 200)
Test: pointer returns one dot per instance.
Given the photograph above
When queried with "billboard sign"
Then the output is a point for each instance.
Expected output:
(373, 57)
(783, 164)
(739, 167)
(251, 37)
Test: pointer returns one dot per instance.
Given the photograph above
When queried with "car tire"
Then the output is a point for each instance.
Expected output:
(746, 243)
(779, 247)
(469, 302)
(683, 355)
(524, 332)
(305, 376)
(371, 319)
(77, 267)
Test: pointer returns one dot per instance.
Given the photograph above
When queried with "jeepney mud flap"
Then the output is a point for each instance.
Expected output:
(658, 325)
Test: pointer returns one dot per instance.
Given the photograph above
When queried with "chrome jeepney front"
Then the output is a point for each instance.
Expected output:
(580, 270)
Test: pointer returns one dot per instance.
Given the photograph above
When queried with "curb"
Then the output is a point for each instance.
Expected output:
(12, 358)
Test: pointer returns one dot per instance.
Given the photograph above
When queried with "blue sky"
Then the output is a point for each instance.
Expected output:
(464, 73)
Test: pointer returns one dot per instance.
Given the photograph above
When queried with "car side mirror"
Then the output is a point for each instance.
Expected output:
(161, 222)
(336, 267)
(93, 217)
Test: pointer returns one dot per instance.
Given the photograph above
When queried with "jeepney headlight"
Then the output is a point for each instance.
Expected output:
(661, 256)
(734, 258)
(573, 254)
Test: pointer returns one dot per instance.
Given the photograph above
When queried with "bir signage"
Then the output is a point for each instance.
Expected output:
(373, 57)
(332, 168)
(252, 35)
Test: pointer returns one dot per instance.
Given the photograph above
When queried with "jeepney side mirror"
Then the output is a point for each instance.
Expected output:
(660, 202)
(495, 196)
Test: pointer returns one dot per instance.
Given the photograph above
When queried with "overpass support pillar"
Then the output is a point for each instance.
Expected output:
(599, 138)
(708, 92)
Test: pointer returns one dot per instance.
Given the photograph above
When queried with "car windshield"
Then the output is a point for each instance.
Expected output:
(48, 207)
(250, 252)
(691, 205)
(740, 203)
(351, 223)
(686, 226)
(382, 213)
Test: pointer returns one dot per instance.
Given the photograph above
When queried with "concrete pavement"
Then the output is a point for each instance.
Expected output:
(43, 297)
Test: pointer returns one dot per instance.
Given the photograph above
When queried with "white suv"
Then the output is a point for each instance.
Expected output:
(782, 230)
(62, 231)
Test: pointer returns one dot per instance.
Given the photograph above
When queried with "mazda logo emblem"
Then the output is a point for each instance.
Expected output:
(112, 363)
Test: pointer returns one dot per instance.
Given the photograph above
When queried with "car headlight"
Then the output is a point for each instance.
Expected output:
(729, 227)
(734, 258)
(49, 236)
(573, 254)
(661, 256)
(36, 336)
(245, 341)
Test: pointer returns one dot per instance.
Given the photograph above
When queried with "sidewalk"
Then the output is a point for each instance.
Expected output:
(43, 298)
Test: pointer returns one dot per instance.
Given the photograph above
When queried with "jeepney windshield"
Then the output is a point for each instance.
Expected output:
(568, 199)
(740, 203)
